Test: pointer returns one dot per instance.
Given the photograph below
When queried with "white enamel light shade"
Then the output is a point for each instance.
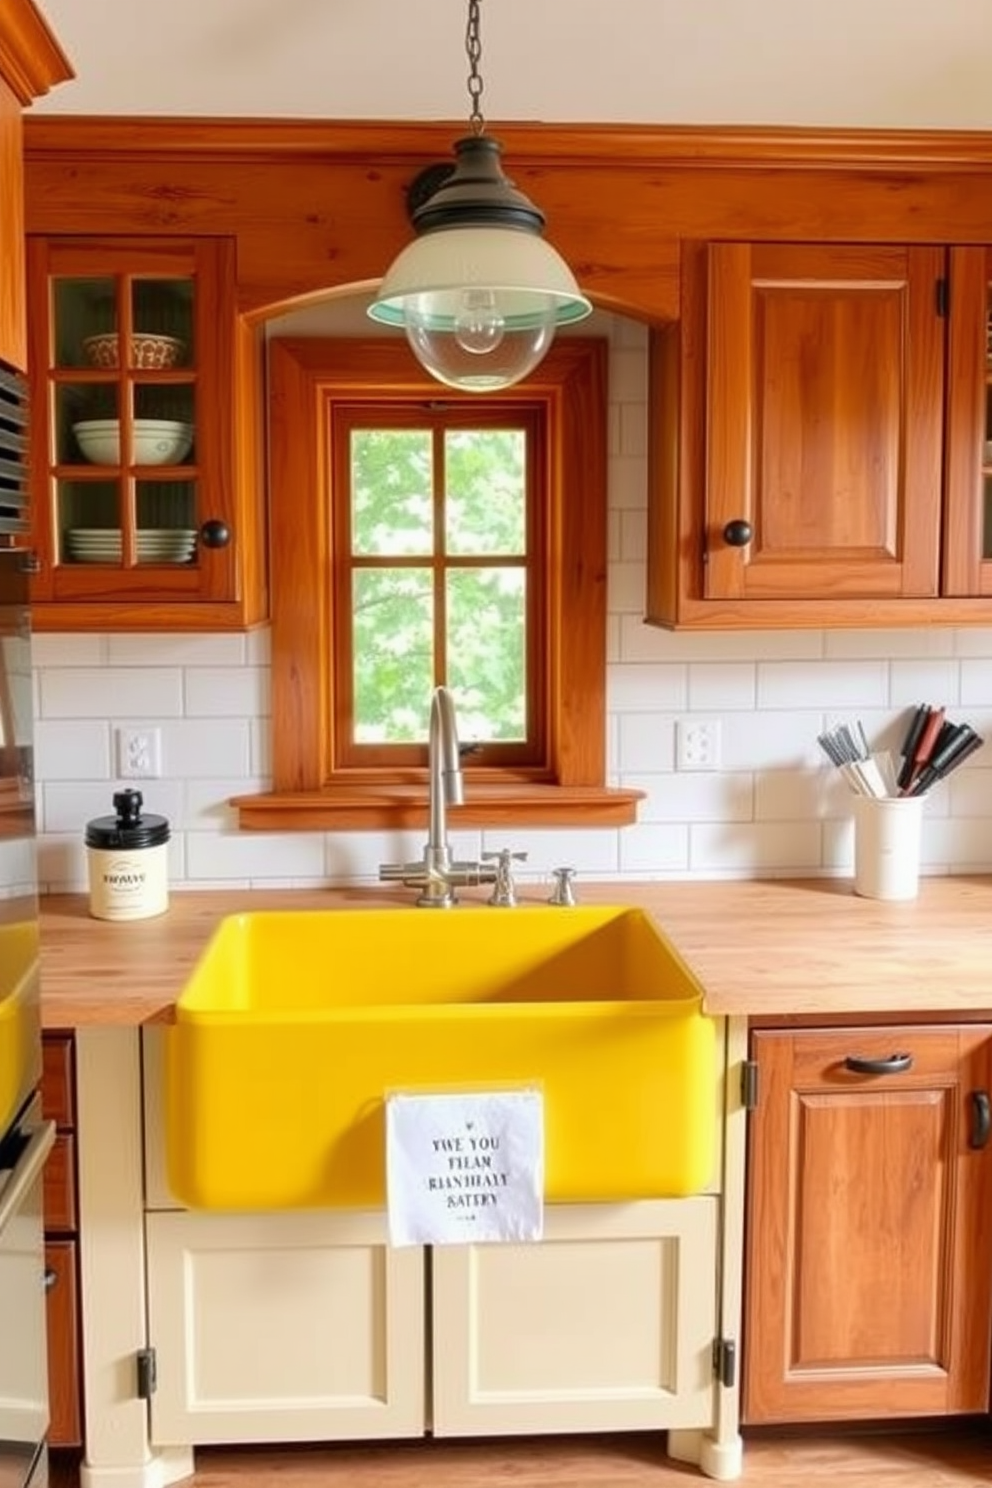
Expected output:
(479, 304)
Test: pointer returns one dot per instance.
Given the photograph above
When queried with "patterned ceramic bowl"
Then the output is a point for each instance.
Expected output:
(148, 352)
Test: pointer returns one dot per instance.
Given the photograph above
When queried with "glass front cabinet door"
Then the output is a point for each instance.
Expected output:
(131, 358)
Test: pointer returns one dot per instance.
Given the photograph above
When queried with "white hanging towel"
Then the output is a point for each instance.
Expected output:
(465, 1168)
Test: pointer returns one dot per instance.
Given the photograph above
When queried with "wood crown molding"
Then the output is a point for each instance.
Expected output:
(31, 59)
(395, 142)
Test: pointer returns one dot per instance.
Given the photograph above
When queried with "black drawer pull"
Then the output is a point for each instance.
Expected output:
(894, 1065)
(981, 1118)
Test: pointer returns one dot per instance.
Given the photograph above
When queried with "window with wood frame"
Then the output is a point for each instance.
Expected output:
(419, 536)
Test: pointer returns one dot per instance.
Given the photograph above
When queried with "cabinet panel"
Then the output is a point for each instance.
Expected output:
(305, 1327)
(869, 1288)
(60, 1184)
(824, 420)
(968, 540)
(63, 1344)
(608, 1324)
(57, 1079)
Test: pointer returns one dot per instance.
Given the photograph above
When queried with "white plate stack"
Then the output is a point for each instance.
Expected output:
(154, 544)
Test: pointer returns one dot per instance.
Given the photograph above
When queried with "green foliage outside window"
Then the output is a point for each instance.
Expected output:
(482, 514)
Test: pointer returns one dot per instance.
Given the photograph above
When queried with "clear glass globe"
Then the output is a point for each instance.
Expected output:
(474, 345)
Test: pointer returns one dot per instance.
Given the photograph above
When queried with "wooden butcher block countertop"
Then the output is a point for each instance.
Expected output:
(768, 949)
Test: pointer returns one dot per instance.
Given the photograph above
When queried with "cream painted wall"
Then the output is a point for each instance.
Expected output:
(871, 63)
(772, 808)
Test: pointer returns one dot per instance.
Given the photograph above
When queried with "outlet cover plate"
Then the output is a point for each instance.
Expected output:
(139, 753)
(697, 744)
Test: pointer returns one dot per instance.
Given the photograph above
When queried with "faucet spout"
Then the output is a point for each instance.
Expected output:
(437, 876)
(447, 787)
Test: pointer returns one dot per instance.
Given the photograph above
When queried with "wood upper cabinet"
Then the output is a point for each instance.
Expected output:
(868, 1287)
(968, 546)
(31, 62)
(812, 463)
(146, 513)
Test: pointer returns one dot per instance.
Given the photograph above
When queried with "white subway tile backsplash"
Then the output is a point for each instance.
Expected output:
(823, 684)
(724, 646)
(889, 644)
(613, 537)
(634, 430)
(176, 649)
(690, 796)
(72, 749)
(649, 850)
(646, 689)
(976, 681)
(927, 681)
(65, 650)
(976, 642)
(957, 845)
(359, 855)
(754, 847)
(612, 639)
(203, 748)
(633, 538)
(269, 855)
(594, 852)
(721, 686)
(205, 803)
(778, 740)
(646, 742)
(229, 692)
(968, 794)
(799, 795)
(258, 646)
(111, 692)
(61, 863)
(260, 750)
(628, 484)
(628, 371)
(625, 587)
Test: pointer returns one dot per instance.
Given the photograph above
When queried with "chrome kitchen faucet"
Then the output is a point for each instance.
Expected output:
(436, 875)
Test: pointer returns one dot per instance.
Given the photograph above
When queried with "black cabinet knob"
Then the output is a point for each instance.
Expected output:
(738, 534)
(215, 534)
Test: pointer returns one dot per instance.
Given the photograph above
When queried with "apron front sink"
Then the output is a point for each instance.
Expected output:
(296, 1025)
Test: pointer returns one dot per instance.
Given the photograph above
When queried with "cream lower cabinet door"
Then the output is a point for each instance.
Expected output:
(608, 1323)
(300, 1327)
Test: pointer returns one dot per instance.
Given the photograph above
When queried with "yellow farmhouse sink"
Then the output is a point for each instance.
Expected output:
(20, 1016)
(296, 1025)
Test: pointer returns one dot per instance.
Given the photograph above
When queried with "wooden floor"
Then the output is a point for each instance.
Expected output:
(923, 1459)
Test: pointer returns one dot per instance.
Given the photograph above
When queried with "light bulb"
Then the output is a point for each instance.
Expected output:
(479, 327)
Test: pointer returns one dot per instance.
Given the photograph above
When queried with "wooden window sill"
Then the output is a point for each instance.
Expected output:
(399, 807)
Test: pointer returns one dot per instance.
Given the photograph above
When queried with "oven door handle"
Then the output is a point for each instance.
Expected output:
(29, 1165)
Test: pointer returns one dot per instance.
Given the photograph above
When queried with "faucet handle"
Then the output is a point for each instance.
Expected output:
(563, 893)
(504, 892)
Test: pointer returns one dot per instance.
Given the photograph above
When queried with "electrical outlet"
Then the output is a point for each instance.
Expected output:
(139, 753)
(697, 744)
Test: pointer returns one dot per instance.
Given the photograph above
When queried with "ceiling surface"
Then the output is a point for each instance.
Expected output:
(861, 63)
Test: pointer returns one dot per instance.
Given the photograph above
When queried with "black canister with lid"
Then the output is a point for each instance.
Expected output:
(127, 861)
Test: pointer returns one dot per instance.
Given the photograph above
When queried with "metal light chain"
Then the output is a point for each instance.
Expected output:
(473, 50)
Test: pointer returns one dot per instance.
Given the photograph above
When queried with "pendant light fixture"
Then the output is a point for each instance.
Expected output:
(478, 291)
